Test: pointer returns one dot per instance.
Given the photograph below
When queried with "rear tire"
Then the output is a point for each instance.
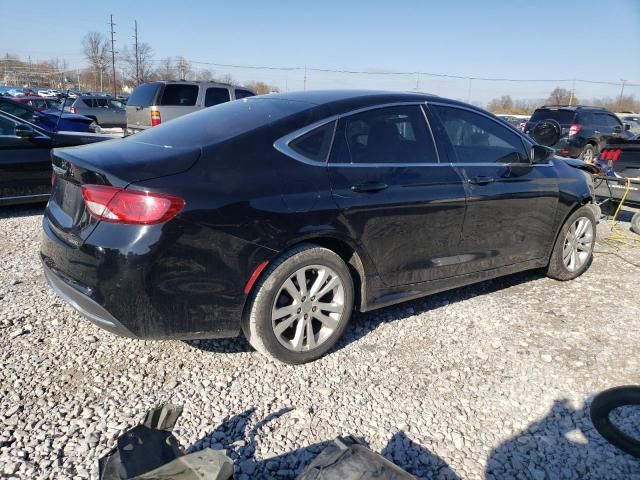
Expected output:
(573, 250)
(588, 154)
(297, 324)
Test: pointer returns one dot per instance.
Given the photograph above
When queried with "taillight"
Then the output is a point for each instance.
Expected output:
(73, 110)
(155, 119)
(574, 129)
(113, 204)
(610, 154)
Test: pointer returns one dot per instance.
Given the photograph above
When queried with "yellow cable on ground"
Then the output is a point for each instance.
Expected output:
(617, 237)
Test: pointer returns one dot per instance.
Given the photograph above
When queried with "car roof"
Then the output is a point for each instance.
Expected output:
(322, 97)
(573, 107)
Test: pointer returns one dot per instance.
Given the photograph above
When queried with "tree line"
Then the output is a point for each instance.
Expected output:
(133, 67)
(561, 96)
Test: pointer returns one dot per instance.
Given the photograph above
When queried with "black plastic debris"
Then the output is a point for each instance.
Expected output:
(151, 451)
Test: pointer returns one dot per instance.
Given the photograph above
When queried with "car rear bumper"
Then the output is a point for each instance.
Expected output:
(148, 284)
(83, 303)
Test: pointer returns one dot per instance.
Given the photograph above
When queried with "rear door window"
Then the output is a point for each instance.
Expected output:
(478, 139)
(179, 95)
(385, 135)
(216, 96)
(240, 93)
(144, 95)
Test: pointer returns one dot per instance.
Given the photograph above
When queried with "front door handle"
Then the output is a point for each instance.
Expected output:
(369, 187)
(481, 180)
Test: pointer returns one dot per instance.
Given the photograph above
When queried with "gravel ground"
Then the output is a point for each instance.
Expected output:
(488, 381)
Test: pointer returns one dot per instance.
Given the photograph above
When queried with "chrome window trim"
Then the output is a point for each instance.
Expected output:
(282, 144)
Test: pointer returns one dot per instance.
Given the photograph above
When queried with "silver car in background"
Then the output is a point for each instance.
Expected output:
(153, 103)
(106, 112)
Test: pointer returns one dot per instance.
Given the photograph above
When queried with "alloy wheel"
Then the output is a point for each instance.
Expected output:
(308, 308)
(577, 244)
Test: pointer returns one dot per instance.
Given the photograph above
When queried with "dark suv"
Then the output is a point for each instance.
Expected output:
(583, 130)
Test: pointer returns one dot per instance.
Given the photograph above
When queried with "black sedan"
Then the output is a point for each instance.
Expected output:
(25, 163)
(278, 215)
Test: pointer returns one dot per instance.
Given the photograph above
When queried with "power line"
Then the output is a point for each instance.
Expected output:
(415, 72)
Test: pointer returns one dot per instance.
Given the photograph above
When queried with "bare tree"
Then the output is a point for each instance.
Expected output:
(96, 48)
(561, 96)
(166, 69)
(183, 67)
(504, 104)
(204, 75)
(144, 63)
(261, 88)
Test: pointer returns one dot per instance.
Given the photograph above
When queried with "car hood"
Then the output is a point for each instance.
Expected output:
(579, 164)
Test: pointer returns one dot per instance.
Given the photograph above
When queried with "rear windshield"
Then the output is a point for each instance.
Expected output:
(219, 123)
(179, 94)
(144, 95)
(563, 117)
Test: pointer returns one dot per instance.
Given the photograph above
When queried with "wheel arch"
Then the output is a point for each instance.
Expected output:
(345, 249)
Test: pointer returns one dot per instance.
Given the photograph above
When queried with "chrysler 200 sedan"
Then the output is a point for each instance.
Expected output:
(279, 215)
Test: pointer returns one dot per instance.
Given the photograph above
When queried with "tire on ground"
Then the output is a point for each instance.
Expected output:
(257, 325)
(635, 223)
(556, 268)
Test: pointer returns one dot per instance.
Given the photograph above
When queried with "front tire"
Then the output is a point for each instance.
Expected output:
(635, 223)
(573, 250)
(301, 305)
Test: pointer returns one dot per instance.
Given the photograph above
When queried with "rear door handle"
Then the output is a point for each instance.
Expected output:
(481, 180)
(369, 187)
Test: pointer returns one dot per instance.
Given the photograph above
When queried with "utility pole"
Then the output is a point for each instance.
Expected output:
(135, 37)
(469, 91)
(305, 77)
(621, 94)
(573, 91)
(113, 56)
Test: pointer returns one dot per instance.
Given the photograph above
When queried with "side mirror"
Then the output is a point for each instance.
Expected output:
(541, 154)
(627, 126)
(25, 131)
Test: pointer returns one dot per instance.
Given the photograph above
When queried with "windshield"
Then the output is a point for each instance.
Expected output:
(219, 123)
(563, 117)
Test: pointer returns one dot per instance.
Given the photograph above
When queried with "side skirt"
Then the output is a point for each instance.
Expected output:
(390, 296)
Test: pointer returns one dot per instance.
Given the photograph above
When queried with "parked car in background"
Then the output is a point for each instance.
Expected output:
(50, 120)
(633, 120)
(150, 104)
(25, 158)
(277, 214)
(106, 112)
(583, 130)
(514, 120)
(47, 93)
(40, 103)
(15, 92)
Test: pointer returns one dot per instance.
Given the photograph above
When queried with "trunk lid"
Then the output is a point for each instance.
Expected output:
(116, 162)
